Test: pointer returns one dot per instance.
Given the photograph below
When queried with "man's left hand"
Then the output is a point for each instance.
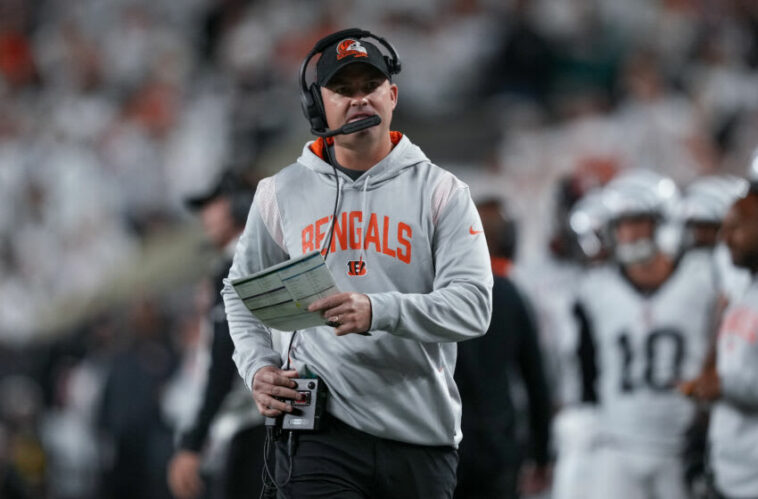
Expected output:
(706, 387)
(346, 312)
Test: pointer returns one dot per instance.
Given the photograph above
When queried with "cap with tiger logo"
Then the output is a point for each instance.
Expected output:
(348, 51)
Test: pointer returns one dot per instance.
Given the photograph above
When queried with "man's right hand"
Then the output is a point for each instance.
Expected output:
(271, 384)
(184, 475)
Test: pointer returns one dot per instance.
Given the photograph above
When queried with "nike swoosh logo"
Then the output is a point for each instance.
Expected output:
(474, 232)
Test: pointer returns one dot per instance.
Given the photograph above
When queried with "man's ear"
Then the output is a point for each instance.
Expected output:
(393, 93)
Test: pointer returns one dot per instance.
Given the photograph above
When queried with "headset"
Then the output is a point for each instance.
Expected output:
(310, 96)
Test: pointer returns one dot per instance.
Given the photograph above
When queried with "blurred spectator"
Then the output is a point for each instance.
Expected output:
(75, 375)
(17, 66)
(69, 438)
(663, 130)
(20, 411)
(524, 59)
(130, 413)
(11, 484)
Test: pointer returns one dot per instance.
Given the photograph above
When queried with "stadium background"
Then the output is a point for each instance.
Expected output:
(111, 111)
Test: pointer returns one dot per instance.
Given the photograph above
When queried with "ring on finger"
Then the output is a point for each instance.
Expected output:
(334, 321)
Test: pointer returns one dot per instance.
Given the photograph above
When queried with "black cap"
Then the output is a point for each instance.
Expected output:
(227, 183)
(348, 51)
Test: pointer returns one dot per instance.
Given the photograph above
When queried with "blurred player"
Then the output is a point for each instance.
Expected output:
(734, 382)
(645, 319)
(575, 425)
(226, 463)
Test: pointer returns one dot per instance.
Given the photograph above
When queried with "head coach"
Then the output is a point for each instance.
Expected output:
(404, 242)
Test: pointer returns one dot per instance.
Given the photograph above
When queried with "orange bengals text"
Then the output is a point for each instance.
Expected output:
(348, 234)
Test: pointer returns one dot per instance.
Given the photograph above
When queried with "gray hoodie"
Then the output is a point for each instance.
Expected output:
(734, 422)
(408, 235)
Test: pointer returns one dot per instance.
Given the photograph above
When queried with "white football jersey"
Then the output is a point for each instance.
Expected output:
(644, 345)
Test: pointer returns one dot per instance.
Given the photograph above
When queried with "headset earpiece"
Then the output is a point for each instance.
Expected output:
(313, 107)
(317, 116)
(392, 64)
(306, 104)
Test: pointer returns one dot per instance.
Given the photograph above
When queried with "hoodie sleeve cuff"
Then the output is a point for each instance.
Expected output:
(257, 366)
(385, 311)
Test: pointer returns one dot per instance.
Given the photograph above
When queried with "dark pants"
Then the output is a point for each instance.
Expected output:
(475, 484)
(342, 462)
(241, 478)
(489, 463)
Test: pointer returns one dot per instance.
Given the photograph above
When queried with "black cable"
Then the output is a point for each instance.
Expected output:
(289, 349)
(332, 161)
(269, 480)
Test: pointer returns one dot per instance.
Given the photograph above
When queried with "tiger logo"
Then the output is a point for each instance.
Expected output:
(352, 47)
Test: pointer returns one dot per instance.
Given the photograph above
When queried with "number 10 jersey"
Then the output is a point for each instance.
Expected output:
(643, 345)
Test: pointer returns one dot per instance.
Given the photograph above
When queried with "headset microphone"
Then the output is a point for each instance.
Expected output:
(352, 127)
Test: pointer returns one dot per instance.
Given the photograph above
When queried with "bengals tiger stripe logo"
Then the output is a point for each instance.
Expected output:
(356, 267)
(350, 47)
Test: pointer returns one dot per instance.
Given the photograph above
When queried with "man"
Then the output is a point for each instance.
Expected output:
(485, 366)
(223, 211)
(733, 384)
(404, 242)
(645, 320)
(701, 212)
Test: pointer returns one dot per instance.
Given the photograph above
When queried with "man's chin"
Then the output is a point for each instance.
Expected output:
(355, 136)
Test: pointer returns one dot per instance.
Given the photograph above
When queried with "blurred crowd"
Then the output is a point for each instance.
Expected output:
(113, 111)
